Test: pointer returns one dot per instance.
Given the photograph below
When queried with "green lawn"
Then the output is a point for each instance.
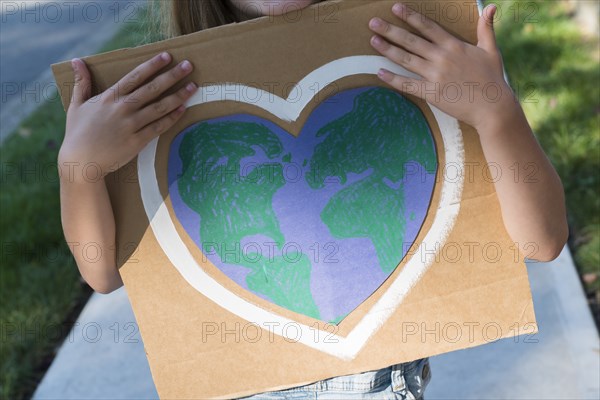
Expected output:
(41, 291)
(552, 68)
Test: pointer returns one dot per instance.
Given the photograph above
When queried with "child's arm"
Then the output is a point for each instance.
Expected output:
(102, 134)
(533, 206)
(89, 228)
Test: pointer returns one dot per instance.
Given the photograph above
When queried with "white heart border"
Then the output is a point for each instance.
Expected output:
(348, 347)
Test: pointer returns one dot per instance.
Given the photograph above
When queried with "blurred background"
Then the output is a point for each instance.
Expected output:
(551, 54)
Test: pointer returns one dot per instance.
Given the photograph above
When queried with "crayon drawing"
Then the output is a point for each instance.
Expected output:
(314, 224)
(319, 189)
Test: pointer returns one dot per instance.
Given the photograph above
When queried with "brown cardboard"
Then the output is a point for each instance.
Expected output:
(198, 349)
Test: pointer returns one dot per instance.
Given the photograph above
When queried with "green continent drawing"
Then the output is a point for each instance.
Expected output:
(356, 170)
(233, 205)
(367, 139)
(286, 283)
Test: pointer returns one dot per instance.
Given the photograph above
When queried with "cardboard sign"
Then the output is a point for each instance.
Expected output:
(304, 220)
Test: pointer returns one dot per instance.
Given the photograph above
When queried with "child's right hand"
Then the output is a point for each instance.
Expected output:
(110, 129)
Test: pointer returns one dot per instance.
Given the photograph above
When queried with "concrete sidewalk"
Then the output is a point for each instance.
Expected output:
(104, 357)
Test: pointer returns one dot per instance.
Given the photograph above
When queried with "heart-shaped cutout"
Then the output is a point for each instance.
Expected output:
(414, 267)
(314, 224)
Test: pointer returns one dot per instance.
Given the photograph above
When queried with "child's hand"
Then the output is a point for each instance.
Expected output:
(468, 83)
(109, 130)
(462, 80)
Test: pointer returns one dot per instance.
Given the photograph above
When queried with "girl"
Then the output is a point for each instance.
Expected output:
(109, 133)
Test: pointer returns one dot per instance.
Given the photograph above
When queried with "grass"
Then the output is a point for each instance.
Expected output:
(41, 292)
(556, 72)
(39, 284)
(551, 66)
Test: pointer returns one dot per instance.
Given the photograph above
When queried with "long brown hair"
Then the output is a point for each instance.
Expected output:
(181, 17)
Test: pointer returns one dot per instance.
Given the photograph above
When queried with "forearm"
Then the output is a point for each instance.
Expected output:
(89, 228)
(529, 189)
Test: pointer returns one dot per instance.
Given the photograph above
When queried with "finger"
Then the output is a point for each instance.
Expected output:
(401, 37)
(82, 90)
(427, 27)
(398, 55)
(161, 125)
(140, 74)
(164, 106)
(485, 29)
(158, 85)
(401, 83)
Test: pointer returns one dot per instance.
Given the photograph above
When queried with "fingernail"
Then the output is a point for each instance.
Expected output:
(384, 75)
(375, 23)
(492, 12)
(186, 65)
(165, 56)
(190, 87)
(398, 8)
(180, 109)
(376, 41)
(75, 66)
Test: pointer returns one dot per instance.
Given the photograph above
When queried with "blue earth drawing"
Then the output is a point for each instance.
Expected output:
(314, 224)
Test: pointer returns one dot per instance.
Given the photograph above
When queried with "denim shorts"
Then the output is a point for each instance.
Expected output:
(405, 381)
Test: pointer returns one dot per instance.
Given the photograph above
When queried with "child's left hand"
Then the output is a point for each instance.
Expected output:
(461, 79)
(467, 82)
